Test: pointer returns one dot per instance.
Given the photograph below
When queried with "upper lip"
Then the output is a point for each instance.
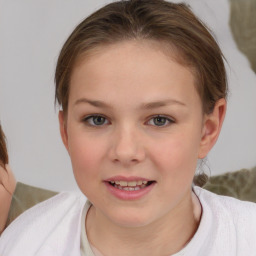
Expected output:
(130, 178)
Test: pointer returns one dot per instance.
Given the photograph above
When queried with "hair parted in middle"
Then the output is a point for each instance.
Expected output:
(173, 25)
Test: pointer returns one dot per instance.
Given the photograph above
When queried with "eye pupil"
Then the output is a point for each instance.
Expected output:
(98, 120)
(159, 120)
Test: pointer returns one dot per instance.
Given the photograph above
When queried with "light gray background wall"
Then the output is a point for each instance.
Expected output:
(31, 35)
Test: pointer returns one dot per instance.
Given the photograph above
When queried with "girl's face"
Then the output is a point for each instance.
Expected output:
(134, 132)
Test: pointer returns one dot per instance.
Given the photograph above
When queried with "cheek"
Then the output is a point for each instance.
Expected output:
(86, 155)
(177, 155)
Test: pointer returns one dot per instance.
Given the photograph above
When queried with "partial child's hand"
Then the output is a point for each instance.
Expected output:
(7, 187)
(7, 179)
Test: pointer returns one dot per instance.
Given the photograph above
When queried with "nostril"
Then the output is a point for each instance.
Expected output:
(126, 149)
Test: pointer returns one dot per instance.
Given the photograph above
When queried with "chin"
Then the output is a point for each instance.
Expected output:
(131, 219)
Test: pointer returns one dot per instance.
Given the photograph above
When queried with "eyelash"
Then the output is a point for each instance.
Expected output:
(91, 118)
(87, 120)
(166, 119)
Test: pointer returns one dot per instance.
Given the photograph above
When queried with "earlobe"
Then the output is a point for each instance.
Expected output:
(212, 127)
(63, 129)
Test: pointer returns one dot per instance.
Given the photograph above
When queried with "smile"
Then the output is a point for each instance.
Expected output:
(130, 185)
(129, 188)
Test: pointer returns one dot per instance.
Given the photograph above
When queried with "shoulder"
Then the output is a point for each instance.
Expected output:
(234, 220)
(54, 206)
(51, 222)
(227, 226)
(235, 207)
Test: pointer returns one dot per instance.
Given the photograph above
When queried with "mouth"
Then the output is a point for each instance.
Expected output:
(131, 185)
(129, 188)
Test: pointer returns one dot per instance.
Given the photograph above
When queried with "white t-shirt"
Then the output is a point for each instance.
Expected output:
(53, 228)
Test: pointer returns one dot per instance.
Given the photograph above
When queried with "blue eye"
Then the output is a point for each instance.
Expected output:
(160, 121)
(96, 120)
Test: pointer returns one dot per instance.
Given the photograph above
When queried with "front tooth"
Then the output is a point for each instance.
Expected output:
(132, 183)
(123, 183)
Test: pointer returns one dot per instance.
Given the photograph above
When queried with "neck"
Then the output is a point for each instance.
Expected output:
(164, 236)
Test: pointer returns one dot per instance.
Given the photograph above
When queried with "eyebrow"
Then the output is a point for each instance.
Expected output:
(95, 103)
(149, 105)
(162, 103)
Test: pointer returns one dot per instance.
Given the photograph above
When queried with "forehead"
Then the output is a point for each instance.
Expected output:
(126, 47)
(147, 68)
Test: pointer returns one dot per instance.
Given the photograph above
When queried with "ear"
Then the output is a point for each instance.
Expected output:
(212, 127)
(63, 129)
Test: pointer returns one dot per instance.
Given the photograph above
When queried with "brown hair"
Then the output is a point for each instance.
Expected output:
(172, 24)
(3, 149)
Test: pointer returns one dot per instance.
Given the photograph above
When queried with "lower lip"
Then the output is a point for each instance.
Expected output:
(129, 195)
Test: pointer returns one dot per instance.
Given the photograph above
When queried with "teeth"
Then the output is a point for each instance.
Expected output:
(129, 188)
(129, 185)
(123, 183)
(132, 183)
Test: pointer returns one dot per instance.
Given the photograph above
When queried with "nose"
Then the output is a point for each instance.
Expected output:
(127, 147)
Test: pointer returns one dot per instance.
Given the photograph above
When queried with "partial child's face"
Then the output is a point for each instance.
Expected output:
(134, 117)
